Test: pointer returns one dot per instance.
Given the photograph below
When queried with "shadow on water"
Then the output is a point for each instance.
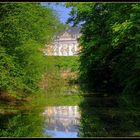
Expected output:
(104, 116)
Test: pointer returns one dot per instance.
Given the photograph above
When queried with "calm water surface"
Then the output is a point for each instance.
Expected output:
(65, 115)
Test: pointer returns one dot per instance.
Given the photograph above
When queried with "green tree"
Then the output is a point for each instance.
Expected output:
(109, 58)
(25, 28)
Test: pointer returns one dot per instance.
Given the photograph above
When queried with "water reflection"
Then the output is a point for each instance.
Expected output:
(62, 121)
(106, 117)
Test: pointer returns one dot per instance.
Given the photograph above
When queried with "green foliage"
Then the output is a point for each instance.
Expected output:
(60, 68)
(24, 29)
(110, 43)
(57, 63)
(10, 73)
(68, 62)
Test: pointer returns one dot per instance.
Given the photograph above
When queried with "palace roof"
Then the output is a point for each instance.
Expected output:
(72, 31)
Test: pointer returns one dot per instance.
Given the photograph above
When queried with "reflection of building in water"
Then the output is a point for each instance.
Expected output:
(62, 118)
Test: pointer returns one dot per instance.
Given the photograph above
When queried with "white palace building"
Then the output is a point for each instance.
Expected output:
(65, 43)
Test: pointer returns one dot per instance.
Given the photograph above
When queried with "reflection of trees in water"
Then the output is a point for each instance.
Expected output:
(21, 125)
(101, 117)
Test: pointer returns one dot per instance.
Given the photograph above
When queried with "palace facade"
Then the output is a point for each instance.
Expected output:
(65, 43)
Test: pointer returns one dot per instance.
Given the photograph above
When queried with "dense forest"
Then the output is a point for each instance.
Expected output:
(110, 55)
(25, 28)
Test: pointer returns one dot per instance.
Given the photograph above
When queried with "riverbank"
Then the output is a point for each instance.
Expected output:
(62, 69)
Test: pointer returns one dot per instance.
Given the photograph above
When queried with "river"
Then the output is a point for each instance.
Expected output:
(69, 115)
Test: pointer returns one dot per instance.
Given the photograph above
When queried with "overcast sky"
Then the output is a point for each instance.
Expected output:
(62, 11)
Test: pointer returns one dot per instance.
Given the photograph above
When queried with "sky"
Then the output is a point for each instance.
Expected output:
(63, 12)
